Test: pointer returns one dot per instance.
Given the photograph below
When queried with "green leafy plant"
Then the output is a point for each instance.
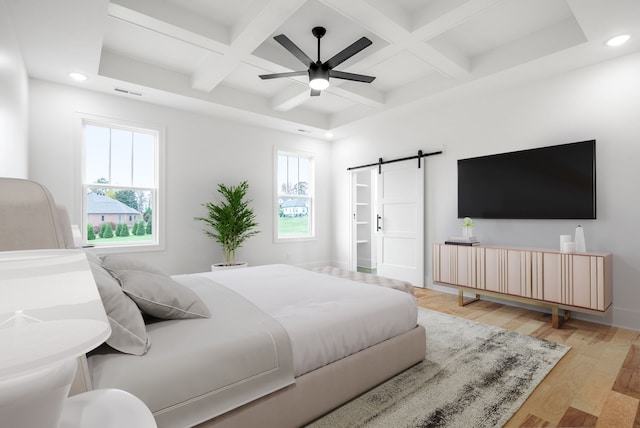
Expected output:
(467, 222)
(231, 221)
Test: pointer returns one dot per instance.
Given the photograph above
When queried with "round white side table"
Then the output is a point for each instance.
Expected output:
(106, 408)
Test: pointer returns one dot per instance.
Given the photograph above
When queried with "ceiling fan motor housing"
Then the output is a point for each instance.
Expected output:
(318, 32)
(318, 71)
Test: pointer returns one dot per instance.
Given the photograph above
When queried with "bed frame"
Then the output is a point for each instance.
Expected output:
(320, 391)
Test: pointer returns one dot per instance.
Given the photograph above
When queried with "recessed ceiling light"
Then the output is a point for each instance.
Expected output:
(329, 134)
(78, 76)
(618, 40)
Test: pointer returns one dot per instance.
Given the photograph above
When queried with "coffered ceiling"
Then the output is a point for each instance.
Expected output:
(206, 55)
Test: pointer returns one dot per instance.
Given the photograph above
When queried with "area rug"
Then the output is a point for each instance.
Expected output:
(474, 375)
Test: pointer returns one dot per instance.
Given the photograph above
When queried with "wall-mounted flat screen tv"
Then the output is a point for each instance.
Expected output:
(555, 182)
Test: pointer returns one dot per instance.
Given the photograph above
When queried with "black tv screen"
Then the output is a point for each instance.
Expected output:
(556, 182)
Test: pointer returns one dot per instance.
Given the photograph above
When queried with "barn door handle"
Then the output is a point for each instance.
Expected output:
(378, 227)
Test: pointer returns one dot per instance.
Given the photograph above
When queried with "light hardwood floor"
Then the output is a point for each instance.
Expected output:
(596, 384)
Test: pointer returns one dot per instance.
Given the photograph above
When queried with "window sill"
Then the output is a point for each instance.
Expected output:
(296, 239)
(120, 249)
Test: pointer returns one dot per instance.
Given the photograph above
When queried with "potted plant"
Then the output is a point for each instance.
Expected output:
(231, 221)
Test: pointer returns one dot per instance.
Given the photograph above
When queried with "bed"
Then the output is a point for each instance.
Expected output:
(282, 345)
(315, 321)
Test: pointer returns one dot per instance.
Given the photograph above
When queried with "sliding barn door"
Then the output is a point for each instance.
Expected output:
(400, 222)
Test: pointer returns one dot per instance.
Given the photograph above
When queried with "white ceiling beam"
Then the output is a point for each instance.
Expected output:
(290, 98)
(370, 17)
(172, 21)
(440, 16)
(359, 93)
(444, 58)
(264, 17)
(395, 11)
(401, 38)
(147, 79)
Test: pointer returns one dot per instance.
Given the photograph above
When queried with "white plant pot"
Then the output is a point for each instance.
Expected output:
(221, 266)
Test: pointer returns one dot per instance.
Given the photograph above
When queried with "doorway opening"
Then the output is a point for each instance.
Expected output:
(363, 195)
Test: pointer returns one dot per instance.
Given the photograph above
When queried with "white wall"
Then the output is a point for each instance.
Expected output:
(599, 102)
(14, 88)
(201, 151)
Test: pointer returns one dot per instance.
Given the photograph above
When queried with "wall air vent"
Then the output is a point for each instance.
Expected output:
(126, 91)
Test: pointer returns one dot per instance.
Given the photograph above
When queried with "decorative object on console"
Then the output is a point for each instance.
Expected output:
(232, 220)
(581, 246)
(568, 247)
(461, 240)
(564, 239)
(467, 227)
(50, 314)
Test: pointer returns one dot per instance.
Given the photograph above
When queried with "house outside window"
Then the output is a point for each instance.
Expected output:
(294, 209)
(120, 181)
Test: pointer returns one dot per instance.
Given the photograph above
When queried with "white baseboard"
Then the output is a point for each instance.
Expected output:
(310, 265)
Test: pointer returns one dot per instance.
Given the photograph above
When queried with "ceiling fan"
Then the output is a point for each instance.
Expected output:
(319, 72)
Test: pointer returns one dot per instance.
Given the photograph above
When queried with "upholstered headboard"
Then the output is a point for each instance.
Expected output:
(30, 218)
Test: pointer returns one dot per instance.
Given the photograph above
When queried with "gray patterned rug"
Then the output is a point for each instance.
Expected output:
(474, 375)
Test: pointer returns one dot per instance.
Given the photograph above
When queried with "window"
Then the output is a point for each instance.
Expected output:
(120, 180)
(294, 196)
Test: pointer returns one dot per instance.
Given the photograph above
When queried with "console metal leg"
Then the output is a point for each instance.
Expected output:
(461, 301)
(556, 320)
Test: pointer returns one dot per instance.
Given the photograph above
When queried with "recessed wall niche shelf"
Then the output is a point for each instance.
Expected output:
(581, 282)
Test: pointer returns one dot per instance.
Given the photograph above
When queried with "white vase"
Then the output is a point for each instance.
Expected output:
(467, 232)
(581, 246)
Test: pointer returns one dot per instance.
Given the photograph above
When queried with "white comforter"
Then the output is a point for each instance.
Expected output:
(326, 318)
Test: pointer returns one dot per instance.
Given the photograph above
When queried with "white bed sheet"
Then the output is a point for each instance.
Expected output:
(326, 318)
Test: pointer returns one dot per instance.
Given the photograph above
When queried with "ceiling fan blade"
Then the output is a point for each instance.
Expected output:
(351, 76)
(287, 74)
(295, 50)
(315, 92)
(348, 52)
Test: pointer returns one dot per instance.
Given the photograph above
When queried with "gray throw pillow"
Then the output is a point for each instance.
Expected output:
(128, 332)
(160, 296)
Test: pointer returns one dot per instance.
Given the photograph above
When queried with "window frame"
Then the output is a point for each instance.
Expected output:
(158, 211)
(277, 151)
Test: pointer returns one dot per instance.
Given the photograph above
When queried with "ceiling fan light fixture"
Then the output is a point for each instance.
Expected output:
(318, 77)
(319, 83)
